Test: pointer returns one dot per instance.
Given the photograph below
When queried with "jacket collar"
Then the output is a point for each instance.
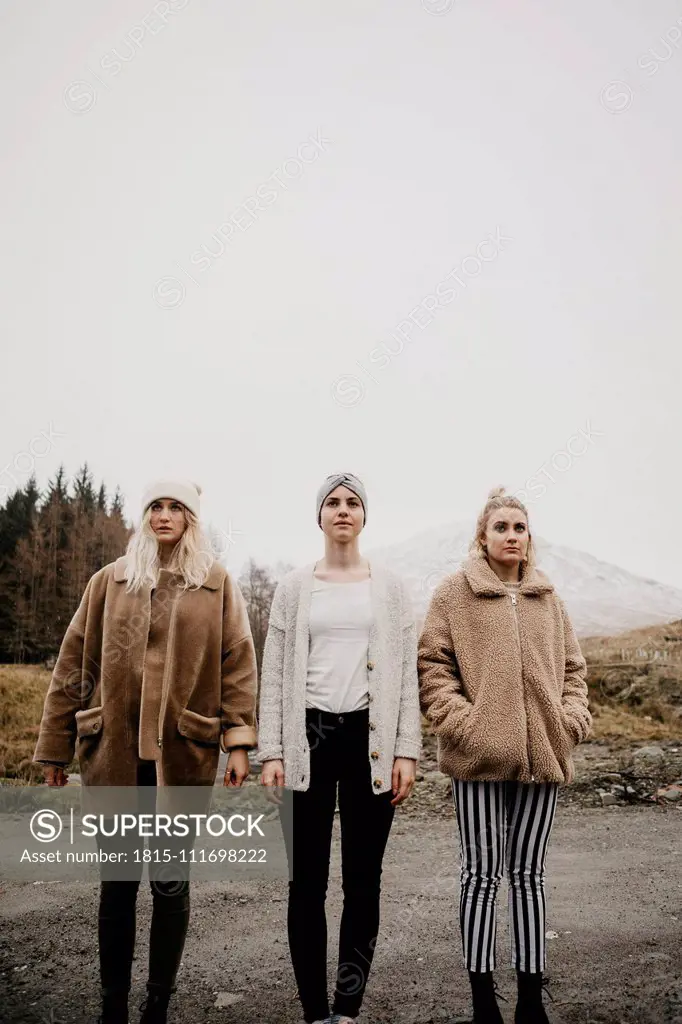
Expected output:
(484, 581)
(212, 582)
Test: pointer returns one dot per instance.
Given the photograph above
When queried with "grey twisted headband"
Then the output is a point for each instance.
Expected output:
(348, 480)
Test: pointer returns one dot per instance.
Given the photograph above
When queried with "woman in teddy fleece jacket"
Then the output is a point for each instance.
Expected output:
(502, 682)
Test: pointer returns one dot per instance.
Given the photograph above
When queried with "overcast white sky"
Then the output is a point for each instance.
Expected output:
(132, 132)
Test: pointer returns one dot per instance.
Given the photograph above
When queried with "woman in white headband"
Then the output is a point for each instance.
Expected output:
(339, 708)
(156, 672)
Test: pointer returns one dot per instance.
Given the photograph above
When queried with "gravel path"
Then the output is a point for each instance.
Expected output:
(614, 900)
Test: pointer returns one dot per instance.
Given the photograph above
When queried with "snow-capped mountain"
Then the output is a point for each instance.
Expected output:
(601, 598)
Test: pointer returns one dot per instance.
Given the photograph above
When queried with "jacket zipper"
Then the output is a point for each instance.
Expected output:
(525, 709)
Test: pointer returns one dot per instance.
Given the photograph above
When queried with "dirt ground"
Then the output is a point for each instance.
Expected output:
(614, 893)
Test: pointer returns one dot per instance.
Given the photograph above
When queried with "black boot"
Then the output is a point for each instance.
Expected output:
(116, 932)
(114, 1008)
(529, 1008)
(170, 917)
(486, 1010)
(155, 1007)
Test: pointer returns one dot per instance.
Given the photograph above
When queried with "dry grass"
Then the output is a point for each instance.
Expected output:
(620, 725)
(661, 644)
(22, 692)
(635, 683)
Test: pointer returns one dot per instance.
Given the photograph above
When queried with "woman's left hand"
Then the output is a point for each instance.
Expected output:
(402, 779)
(237, 769)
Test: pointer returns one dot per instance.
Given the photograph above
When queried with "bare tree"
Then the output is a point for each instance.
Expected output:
(258, 587)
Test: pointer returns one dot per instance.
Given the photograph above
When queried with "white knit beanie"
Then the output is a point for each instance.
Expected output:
(183, 491)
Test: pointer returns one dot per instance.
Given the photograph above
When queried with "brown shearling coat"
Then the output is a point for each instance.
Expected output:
(95, 704)
(504, 704)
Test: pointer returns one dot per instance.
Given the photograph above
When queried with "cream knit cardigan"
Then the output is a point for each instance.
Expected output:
(395, 720)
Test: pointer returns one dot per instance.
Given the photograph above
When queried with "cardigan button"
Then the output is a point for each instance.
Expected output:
(372, 725)
(378, 783)
(370, 665)
(374, 754)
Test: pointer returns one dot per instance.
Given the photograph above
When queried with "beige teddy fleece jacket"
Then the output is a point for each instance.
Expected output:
(502, 685)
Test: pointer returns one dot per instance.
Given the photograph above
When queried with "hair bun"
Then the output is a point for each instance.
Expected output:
(496, 492)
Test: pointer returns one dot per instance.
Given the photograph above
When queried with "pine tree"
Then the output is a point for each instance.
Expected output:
(58, 488)
(16, 524)
(116, 510)
(49, 548)
(84, 491)
(102, 499)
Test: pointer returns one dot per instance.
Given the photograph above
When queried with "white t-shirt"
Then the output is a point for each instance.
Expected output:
(340, 620)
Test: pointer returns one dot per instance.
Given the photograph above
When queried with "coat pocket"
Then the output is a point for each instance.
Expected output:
(89, 722)
(570, 726)
(485, 746)
(199, 728)
(467, 739)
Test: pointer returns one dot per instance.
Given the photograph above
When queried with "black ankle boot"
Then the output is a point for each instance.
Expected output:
(486, 1010)
(529, 1008)
(155, 1007)
(114, 1008)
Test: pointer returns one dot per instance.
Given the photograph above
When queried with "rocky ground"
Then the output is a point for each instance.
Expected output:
(605, 774)
(614, 893)
(614, 886)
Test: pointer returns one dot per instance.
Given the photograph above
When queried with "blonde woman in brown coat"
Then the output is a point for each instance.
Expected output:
(502, 682)
(156, 672)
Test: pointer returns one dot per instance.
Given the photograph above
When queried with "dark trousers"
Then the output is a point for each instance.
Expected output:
(339, 756)
(116, 923)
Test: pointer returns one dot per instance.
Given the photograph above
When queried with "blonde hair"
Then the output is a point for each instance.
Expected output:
(497, 499)
(192, 556)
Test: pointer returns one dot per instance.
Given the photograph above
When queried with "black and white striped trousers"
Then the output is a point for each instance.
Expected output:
(503, 825)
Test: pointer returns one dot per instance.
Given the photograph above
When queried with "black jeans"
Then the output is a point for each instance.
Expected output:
(339, 755)
(116, 923)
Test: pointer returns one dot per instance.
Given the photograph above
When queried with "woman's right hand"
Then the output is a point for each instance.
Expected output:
(55, 775)
(272, 776)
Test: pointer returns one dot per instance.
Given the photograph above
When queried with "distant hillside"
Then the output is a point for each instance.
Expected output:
(661, 644)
